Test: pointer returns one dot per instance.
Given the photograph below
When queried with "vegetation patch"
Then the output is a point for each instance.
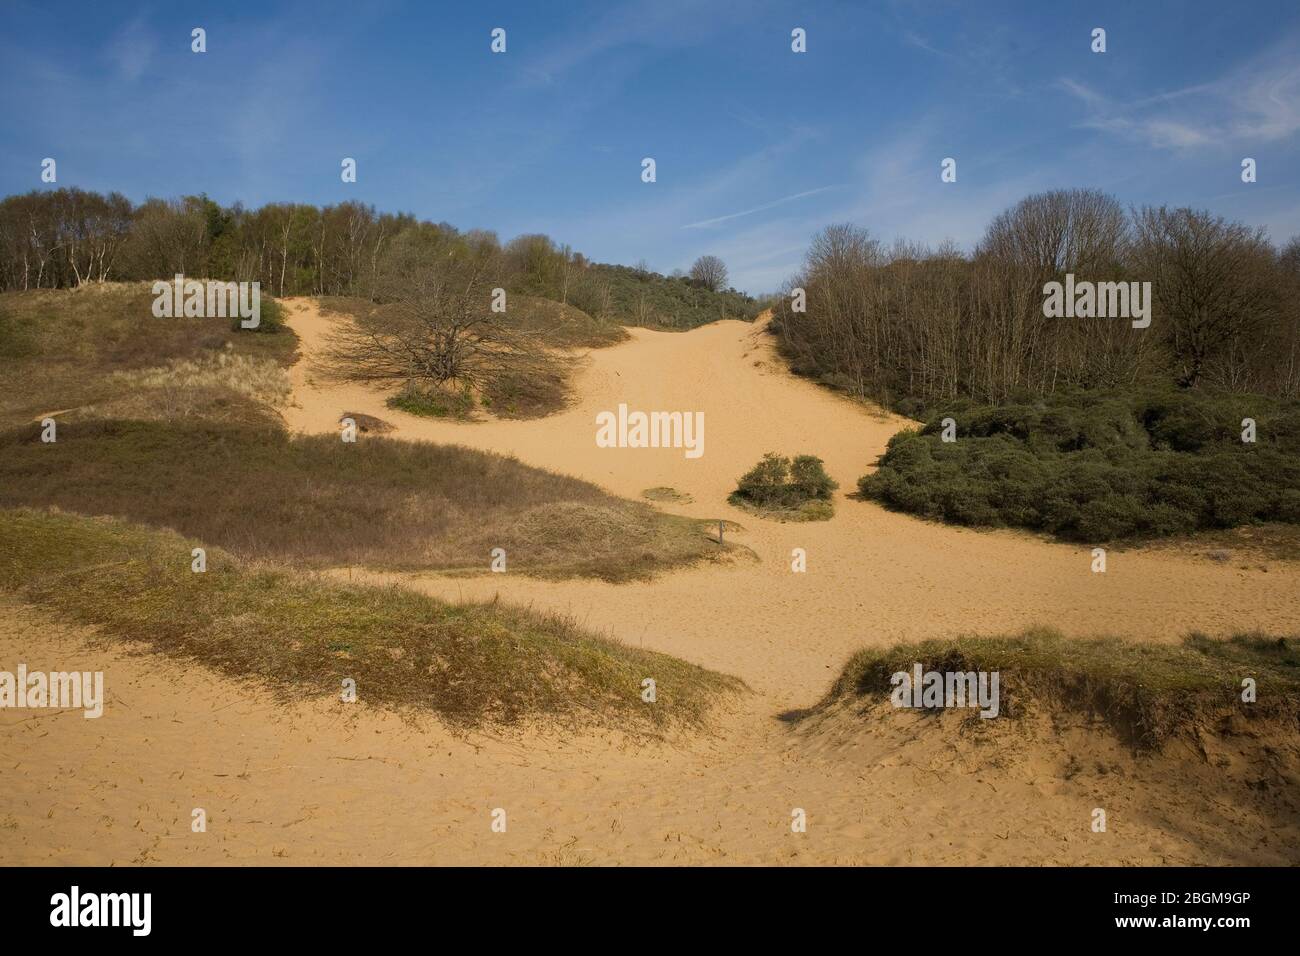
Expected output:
(664, 493)
(557, 325)
(260, 379)
(470, 664)
(561, 325)
(1146, 692)
(1089, 466)
(99, 351)
(527, 394)
(320, 502)
(433, 402)
(792, 490)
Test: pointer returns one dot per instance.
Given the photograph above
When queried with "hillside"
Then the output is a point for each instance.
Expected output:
(99, 351)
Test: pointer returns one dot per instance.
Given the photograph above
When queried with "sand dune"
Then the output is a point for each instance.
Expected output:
(873, 576)
(325, 783)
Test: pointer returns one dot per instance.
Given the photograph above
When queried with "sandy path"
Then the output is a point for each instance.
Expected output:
(873, 576)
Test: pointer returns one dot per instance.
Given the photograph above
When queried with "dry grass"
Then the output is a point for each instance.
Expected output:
(261, 379)
(79, 350)
(808, 511)
(218, 386)
(471, 664)
(1244, 546)
(317, 501)
(1146, 692)
(562, 326)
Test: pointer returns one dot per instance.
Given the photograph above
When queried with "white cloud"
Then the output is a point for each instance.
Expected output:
(131, 50)
(704, 223)
(1258, 102)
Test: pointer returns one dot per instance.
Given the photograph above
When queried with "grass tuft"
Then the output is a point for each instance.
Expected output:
(1146, 692)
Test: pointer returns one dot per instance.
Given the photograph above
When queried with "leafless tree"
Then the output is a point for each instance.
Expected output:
(1212, 285)
(435, 330)
(710, 272)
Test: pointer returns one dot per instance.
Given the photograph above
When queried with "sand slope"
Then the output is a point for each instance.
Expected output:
(873, 576)
(330, 783)
(333, 784)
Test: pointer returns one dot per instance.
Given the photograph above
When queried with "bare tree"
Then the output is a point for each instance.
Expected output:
(710, 272)
(1213, 284)
(435, 329)
(1289, 259)
(1063, 230)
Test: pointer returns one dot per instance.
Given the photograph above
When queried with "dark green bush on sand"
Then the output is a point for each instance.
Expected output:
(798, 489)
(1100, 466)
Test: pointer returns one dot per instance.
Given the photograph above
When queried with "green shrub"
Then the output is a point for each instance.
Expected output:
(765, 483)
(640, 297)
(808, 479)
(800, 487)
(270, 317)
(432, 402)
(1091, 466)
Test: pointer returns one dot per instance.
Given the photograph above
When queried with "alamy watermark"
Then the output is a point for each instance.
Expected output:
(626, 429)
(75, 908)
(208, 300)
(933, 689)
(67, 690)
(1098, 300)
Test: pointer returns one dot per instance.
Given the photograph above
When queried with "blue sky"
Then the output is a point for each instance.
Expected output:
(756, 147)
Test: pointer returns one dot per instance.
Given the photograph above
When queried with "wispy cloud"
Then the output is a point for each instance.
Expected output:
(1258, 102)
(131, 49)
(631, 27)
(921, 43)
(705, 223)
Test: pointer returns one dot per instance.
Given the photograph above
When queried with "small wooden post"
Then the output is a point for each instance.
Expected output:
(720, 527)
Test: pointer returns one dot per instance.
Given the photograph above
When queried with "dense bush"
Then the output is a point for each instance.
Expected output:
(779, 484)
(1095, 467)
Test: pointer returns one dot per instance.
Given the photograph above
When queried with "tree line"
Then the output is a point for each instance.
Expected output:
(913, 326)
(67, 237)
